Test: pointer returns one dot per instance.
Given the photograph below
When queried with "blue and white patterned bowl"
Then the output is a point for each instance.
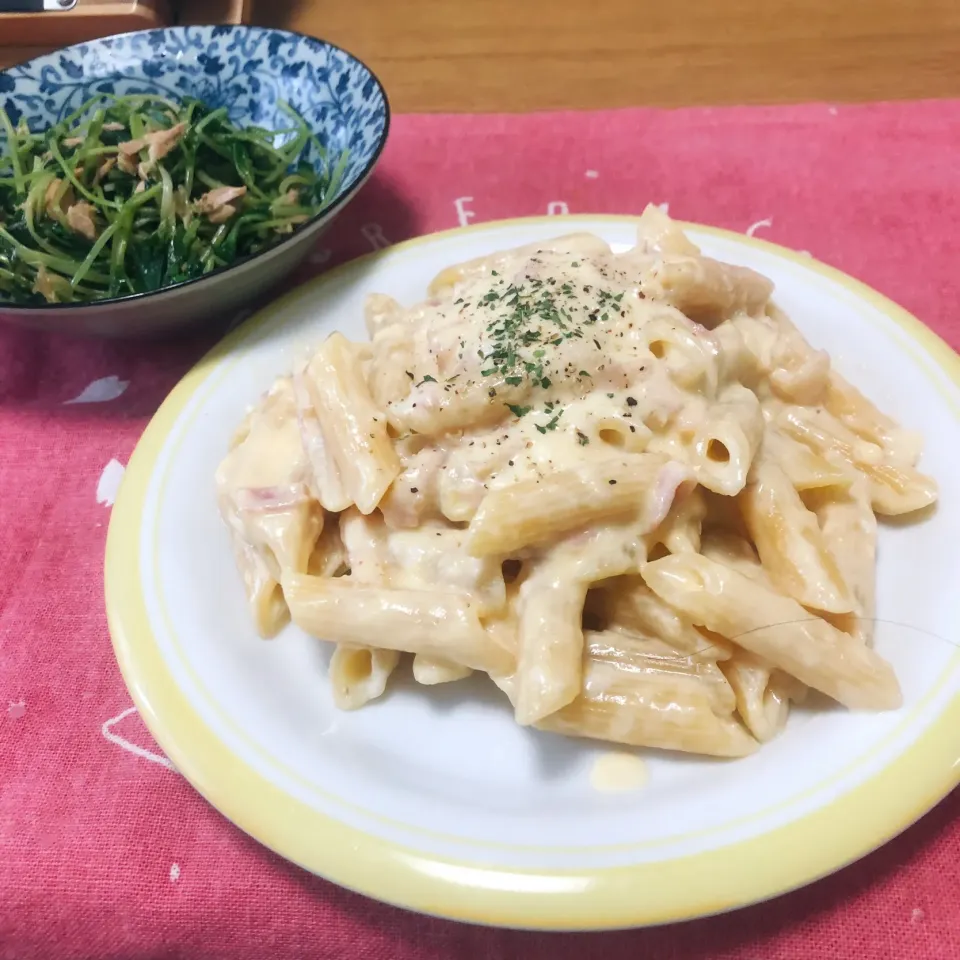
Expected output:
(248, 70)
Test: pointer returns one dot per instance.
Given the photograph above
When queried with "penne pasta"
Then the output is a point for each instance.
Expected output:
(326, 481)
(414, 497)
(895, 488)
(268, 609)
(443, 625)
(735, 363)
(550, 605)
(860, 416)
(806, 468)
(329, 557)
(430, 671)
(756, 338)
(431, 410)
(799, 373)
(359, 674)
(688, 356)
(728, 441)
(706, 290)
(265, 501)
(620, 433)
(550, 641)
(680, 531)
(628, 605)
(393, 355)
(437, 555)
(790, 543)
(623, 485)
(775, 628)
(634, 696)
(850, 532)
(657, 233)
(364, 542)
(734, 550)
(532, 512)
(763, 696)
(353, 426)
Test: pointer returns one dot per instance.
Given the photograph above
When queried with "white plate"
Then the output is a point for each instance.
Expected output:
(434, 798)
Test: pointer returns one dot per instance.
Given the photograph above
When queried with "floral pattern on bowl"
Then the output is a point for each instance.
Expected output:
(249, 70)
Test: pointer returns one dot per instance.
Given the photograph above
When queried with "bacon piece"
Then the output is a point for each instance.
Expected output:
(80, 220)
(217, 205)
(159, 143)
(104, 169)
(214, 199)
(127, 164)
(54, 209)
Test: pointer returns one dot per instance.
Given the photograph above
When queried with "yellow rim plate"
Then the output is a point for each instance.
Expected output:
(704, 882)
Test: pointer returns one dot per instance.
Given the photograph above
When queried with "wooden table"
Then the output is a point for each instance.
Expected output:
(532, 54)
(545, 54)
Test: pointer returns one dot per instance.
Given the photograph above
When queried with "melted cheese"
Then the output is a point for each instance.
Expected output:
(550, 360)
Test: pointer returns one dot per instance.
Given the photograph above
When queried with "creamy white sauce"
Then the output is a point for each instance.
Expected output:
(545, 364)
(536, 361)
(618, 772)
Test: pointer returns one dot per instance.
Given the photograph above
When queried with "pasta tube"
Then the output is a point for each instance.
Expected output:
(359, 674)
(442, 625)
(535, 511)
(790, 543)
(632, 696)
(777, 629)
(353, 426)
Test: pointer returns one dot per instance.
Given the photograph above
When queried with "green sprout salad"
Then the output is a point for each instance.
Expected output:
(131, 194)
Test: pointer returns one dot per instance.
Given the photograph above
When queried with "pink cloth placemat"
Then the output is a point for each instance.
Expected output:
(106, 852)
